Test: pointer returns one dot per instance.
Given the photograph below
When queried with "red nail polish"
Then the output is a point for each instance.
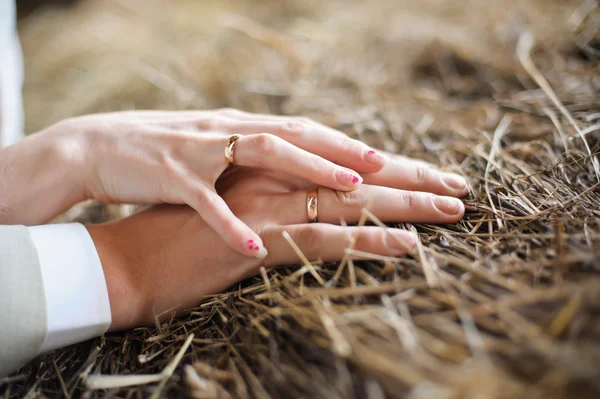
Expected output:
(258, 250)
(346, 177)
(375, 158)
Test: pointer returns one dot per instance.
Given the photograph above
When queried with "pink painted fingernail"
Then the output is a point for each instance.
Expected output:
(348, 178)
(374, 158)
(257, 249)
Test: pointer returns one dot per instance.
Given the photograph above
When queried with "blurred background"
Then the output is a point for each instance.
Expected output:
(338, 61)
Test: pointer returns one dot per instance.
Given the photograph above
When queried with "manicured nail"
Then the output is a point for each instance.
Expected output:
(448, 205)
(374, 158)
(400, 240)
(348, 179)
(257, 249)
(453, 181)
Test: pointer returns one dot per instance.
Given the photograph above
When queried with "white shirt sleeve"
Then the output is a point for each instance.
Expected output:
(78, 306)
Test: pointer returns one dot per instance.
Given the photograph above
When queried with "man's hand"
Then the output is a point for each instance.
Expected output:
(168, 257)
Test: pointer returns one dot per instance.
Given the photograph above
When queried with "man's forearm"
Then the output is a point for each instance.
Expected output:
(40, 178)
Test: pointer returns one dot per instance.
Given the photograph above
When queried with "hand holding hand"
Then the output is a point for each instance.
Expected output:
(153, 157)
(176, 259)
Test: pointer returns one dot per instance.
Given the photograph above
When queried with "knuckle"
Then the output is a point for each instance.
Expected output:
(202, 200)
(421, 173)
(179, 146)
(215, 123)
(195, 192)
(204, 123)
(266, 142)
(351, 199)
(295, 127)
(364, 241)
(410, 200)
(310, 239)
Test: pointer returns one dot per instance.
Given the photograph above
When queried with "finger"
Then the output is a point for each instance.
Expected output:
(315, 138)
(414, 175)
(311, 239)
(213, 209)
(270, 152)
(387, 204)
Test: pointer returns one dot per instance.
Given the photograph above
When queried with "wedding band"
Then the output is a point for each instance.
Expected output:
(312, 200)
(230, 147)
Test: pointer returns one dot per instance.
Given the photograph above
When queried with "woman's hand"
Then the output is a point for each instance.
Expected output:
(176, 157)
(169, 257)
(154, 157)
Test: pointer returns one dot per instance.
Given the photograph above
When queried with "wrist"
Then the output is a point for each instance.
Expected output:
(68, 149)
(124, 299)
(42, 177)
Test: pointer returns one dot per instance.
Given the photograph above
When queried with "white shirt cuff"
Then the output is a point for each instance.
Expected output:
(77, 301)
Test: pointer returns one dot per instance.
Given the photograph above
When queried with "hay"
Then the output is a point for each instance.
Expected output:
(503, 304)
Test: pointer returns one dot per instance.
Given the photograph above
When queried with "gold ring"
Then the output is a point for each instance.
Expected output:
(230, 147)
(312, 202)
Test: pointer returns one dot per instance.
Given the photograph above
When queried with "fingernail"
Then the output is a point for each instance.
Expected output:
(348, 179)
(448, 205)
(257, 249)
(453, 181)
(374, 158)
(400, 240)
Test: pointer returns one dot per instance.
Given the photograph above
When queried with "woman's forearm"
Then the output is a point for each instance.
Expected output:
(40, 177)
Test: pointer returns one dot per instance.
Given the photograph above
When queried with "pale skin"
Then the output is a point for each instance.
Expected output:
(154, 157)
(176, 258)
